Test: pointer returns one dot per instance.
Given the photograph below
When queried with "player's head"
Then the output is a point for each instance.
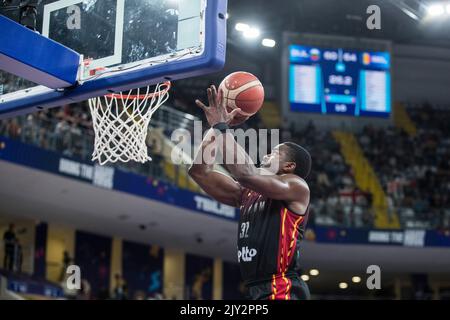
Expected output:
(288, 157)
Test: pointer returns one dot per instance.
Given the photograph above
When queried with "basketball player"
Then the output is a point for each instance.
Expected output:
(273, 199)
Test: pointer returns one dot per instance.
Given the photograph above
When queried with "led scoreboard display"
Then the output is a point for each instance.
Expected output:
(339, 81)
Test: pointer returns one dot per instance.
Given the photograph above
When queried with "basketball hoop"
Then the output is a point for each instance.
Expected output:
(121, 123)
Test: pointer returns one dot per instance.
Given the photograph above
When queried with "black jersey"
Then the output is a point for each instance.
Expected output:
(268, 241)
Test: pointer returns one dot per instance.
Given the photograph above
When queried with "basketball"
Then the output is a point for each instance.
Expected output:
(242, 90)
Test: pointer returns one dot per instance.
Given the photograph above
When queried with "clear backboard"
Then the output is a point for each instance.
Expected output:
(125, 44)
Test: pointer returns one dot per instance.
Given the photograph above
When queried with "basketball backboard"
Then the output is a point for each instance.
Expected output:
(125, 44)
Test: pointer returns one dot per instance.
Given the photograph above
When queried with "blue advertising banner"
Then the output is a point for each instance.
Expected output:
(112, 178)
(30, 287)
(116, 179)
(142, 267)
(93, 256)
(40, 245)
(407, 238)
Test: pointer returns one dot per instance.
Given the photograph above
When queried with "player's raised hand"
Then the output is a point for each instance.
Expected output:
(216, 112)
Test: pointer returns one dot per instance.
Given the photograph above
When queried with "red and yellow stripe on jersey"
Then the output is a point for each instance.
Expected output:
(281, 285)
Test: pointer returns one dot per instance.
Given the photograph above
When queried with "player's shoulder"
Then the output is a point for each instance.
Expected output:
(295, 179)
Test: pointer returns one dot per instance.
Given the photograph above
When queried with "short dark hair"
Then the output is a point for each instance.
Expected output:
(301, 157)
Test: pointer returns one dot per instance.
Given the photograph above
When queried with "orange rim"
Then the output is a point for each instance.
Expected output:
(166, 84)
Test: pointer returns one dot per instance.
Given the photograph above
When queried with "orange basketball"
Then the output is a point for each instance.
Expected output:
(242, 90)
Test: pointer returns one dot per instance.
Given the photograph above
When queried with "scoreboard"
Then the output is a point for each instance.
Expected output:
(339, 81)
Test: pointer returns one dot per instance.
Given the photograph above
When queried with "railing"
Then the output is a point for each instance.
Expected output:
(21, 259)
(50, 134)
(171, 119)
(349, 214)
(430, 219)
(366, 178)
(74, 138)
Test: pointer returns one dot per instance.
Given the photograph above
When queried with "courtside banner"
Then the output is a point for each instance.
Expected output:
(406, 238)
(115, 179)
(112, 178)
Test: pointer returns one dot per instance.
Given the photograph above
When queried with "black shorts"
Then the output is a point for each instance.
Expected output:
(292, 288)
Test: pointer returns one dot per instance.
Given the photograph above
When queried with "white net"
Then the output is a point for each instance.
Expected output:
(121, 123)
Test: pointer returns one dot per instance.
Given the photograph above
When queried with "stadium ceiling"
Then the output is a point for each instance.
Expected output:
(402, 21)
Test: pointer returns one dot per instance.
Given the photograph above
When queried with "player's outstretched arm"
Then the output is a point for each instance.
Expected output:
(281, 187)
(287, 187)
(216, 184)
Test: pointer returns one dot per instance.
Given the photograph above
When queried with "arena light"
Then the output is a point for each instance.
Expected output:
(435, 10)
(343, 285)
(242, 27)
(251, 33)
(305, 277)
(410, 14)
(448, 8)
(356, 279)
(268, 43)
(314, 272)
